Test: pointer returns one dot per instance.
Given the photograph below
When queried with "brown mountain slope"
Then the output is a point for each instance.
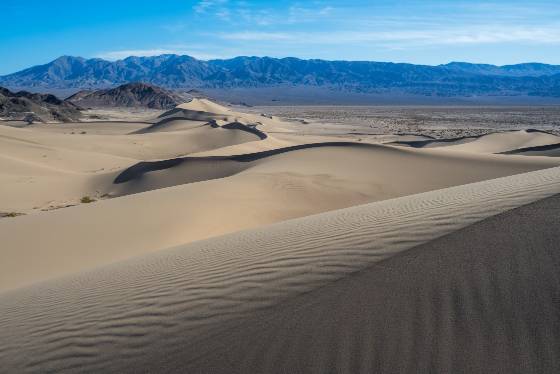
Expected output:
(36, 107)
(135, 94)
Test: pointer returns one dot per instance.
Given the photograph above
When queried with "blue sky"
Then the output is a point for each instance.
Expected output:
(425, 32)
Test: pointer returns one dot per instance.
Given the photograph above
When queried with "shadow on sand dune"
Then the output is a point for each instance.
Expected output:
(138, 170)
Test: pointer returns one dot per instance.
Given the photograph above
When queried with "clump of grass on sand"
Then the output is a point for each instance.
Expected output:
(10, 215)
(86, 200)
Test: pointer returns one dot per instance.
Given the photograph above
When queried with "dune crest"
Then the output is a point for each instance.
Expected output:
(204, 105)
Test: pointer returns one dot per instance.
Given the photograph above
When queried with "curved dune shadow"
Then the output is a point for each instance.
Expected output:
(138, 170)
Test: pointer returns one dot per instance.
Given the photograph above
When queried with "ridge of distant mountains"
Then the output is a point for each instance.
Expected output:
(136, 94)
(36, 107)
(456, 79)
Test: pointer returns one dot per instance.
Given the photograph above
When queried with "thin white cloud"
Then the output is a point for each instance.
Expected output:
(254, 14)
(259, 36)
(303, 14)
(223, 14)
(173, 27)
(325, 11)
(205, 5)
(478, 35)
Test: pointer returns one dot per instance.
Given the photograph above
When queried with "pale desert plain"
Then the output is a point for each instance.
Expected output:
(218, 239)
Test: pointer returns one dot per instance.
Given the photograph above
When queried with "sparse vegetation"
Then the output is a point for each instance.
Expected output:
(86, 200)
(10, 215)
(438, 122)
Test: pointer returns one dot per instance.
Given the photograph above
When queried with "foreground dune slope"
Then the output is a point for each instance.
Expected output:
(479, 300)
(270, 189)
(178, 310)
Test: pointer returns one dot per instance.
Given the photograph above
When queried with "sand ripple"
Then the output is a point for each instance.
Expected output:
(156, 308)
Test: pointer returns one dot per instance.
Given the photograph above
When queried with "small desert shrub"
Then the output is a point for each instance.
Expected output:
(86, 200)
(10, 214)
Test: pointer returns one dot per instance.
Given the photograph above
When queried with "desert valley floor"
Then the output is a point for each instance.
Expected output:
(217, 239)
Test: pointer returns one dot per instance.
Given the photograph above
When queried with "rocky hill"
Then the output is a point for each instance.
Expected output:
(135, 94)
(35, 107)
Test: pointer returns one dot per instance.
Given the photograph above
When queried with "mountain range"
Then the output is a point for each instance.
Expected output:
(456, 79)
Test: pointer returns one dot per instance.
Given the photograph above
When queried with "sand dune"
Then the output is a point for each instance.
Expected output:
(203, 108)
(248, 191)
(506, 141)
(550, 150)
(205, 105)
(175, 124)
(91, 128)
(433, 143)
(179, 310)
(231, 242)
(501, 142)
(40, 168)
(55, 165)
(374, 170)
(155, 145)
(478, 300)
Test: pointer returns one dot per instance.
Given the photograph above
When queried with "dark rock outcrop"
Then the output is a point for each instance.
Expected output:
(36, 107)
(135, 94)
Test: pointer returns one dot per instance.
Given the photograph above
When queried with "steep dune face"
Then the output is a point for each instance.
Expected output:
(180, 309)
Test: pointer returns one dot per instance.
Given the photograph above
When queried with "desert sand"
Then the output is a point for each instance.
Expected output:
(225, 241)
(502, 142)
